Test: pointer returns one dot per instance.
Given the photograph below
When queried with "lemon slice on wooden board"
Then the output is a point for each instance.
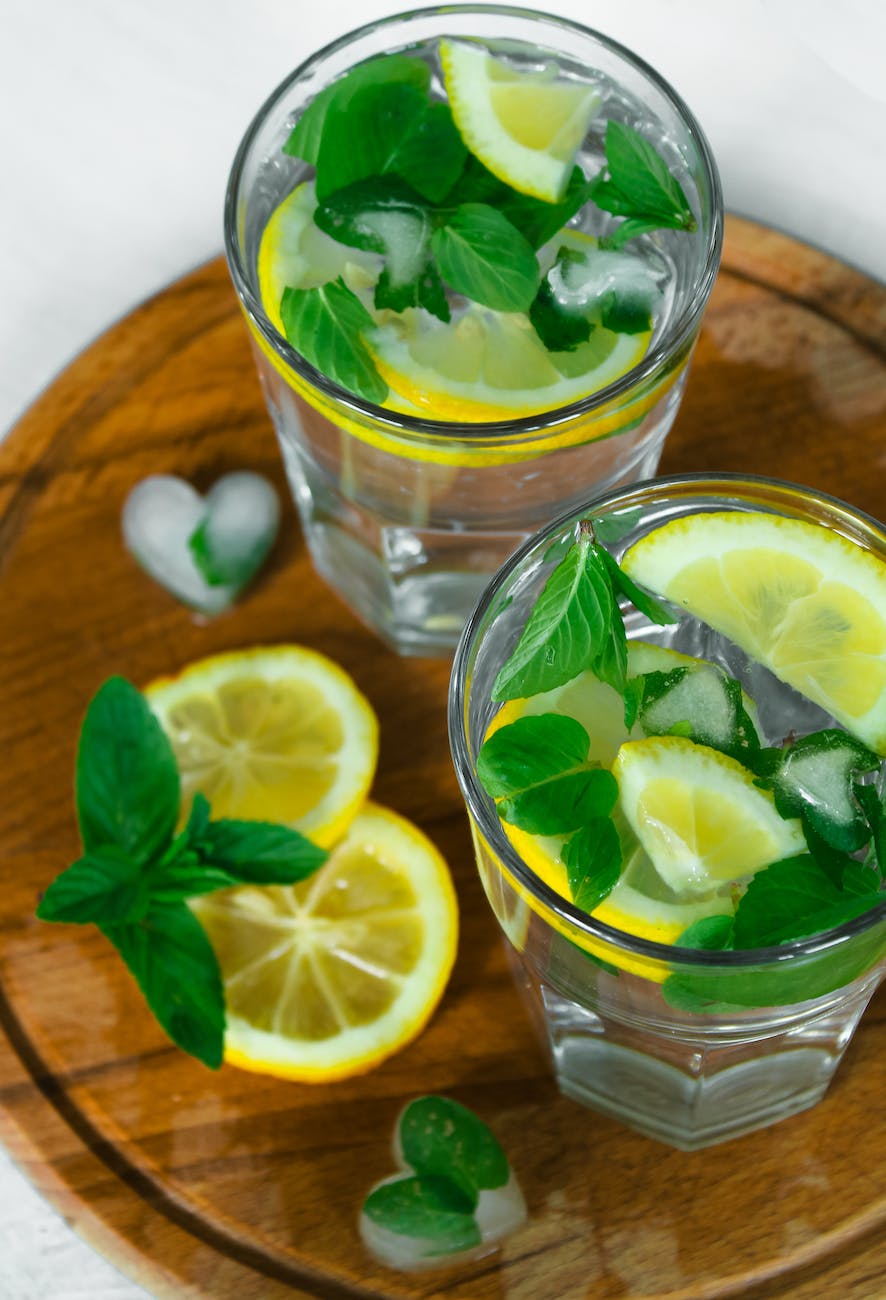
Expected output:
(798, 597)
(326, 978)
(277, 733)
(525, 126)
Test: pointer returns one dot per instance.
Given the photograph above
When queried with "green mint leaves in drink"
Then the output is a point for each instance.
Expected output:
(575, 625)
(536, 767)
(638, 185)
(393, 176)
(450, 1159)
(136, 872)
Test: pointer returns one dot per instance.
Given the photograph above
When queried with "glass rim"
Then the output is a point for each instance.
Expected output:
(480, 806)
(677, 334)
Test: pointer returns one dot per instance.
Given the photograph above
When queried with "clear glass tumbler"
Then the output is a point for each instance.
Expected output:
(408, 516)
(688, 1046)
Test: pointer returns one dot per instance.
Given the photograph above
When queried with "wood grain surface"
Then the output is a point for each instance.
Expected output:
(233, 1185)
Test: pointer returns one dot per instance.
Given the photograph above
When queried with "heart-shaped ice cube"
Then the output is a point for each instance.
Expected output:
(204, 550)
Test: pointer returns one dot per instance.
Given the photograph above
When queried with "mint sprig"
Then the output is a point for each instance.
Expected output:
(575, 625)
(136, 873)
(637, 184)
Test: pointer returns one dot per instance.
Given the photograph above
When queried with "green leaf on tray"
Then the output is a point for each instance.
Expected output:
(127, 782)
(324, 324)
(135, 874)
(441, 1138)
(177, 971)
(425, 1206)
(103, 886)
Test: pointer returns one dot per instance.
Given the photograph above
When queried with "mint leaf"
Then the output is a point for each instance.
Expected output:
(103, 886)
(425, 1206)
(711, 933)
(529, 751)
(537, 767)
(593, 859)
(561, 804)
(569, 629)
(391, 69)
(639, 184)
(440, 1138)
(176, 969)
(324, 325)
(537, 220)
(259, 853)
(481, 255)
(127, 785)
(792, 899)
(391, 128)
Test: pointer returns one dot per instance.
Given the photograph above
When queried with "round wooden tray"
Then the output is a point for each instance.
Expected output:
(233, 1185)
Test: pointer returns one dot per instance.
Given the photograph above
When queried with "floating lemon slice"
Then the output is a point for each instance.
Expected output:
(525, 126)
(487, 365)
(277, 734)
(698, 814)
(326, 978)
(799, 598)
(296, 254)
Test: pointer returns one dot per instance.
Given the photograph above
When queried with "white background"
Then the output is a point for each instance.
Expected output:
(118, 121)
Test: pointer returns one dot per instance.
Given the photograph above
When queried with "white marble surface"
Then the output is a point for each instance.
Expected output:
(118, 119)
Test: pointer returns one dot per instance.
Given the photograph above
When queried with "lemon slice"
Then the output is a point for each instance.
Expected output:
(295, 253)
(326, 978)
(487, 365)
(797, 597)
(698, 814)
(277, 734)
(525, 126)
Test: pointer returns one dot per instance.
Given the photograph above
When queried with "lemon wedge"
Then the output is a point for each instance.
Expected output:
(277, 734)
(525, 126)
(698, 814)
(801, 599)
(326, 978)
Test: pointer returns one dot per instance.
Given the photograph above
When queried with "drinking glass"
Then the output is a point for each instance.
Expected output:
(408, 516)
(688, 1046)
